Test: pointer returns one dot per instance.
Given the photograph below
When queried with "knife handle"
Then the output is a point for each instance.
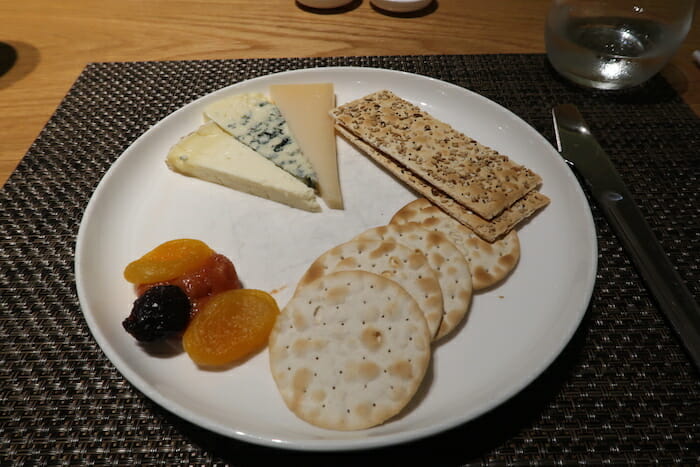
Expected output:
(653, 264)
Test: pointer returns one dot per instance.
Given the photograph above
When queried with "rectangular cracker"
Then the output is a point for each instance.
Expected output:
(473, 175)
(489, 230)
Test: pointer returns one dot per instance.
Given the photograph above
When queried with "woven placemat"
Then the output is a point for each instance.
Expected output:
(622, 391)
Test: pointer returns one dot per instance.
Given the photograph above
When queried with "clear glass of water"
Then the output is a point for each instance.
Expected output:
(615, 44)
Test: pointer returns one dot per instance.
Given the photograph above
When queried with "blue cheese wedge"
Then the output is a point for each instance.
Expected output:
(259, 124)
(213, 155)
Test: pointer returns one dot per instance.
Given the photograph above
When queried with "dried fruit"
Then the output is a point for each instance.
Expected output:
(230, 326)
(161, 312)
(167, 261)
(216, 275)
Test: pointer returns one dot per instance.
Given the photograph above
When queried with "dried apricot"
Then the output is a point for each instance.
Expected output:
(216, 275)
(167, 261)
(230, 326)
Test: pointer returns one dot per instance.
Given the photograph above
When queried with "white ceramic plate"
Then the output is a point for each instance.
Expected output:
(513, 332)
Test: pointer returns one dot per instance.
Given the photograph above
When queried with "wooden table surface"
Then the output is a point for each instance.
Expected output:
(49, 42)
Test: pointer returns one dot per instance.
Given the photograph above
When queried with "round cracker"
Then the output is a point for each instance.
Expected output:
(349, 350)
(447, 261)
(489, 263)
(391, 260)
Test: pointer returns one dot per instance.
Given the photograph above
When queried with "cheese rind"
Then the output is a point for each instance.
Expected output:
(306, 107)
(259, 124)
(211, 154)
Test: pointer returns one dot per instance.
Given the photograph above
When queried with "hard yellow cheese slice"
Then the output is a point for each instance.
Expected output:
(306, 109)
(213, 155)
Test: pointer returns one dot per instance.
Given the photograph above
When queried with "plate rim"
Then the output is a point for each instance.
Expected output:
(331, 444)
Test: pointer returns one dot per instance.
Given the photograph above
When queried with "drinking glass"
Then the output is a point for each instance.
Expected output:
(615, 44)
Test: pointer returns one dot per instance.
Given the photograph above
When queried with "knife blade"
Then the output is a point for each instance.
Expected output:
(581, 150)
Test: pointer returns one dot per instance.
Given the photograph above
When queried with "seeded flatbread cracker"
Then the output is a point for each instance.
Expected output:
(489, 263)
(349, 350)
(477, 177)
(489, 230)
(391, 260)
(447, 261)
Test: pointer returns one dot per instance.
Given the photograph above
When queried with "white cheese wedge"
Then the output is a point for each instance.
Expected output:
(306, 108)
(258, 123)
(213, 155)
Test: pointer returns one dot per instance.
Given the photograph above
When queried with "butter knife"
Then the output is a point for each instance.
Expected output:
(581, 150)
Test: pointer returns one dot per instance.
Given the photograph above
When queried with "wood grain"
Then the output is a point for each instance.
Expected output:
(54, 40)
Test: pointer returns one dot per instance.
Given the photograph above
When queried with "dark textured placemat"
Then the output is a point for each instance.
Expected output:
(623, 390)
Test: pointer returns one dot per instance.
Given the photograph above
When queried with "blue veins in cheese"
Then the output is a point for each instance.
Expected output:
(258, 123)
(211, 154)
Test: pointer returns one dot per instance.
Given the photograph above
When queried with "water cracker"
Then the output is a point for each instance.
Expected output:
(391, 260)
(349, 350)
(489, 263)
(447, 261)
